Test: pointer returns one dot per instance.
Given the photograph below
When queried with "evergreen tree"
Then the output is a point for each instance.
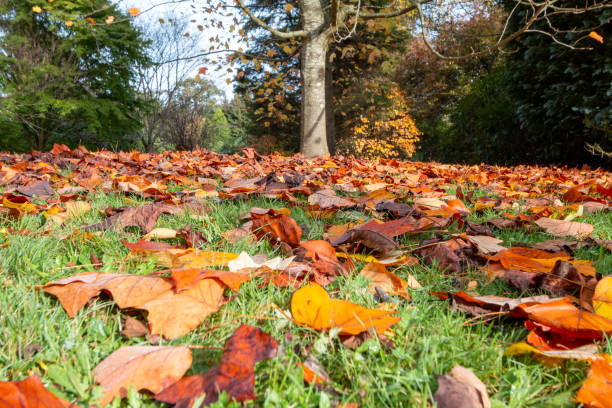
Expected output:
(66, 72)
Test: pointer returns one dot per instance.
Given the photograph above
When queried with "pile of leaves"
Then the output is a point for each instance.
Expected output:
(568, 314)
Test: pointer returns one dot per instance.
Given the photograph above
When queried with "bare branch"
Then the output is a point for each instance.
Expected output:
(500, 43)
(389, 14)
(262, 24)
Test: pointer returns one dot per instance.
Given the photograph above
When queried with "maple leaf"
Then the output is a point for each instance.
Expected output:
(235, 373)
(142, 367)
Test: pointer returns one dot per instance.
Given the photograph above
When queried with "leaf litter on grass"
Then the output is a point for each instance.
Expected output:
(395, 201)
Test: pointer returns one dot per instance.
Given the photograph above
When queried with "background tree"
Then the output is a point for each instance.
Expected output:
(357, 80)
(324, 21)
(66, 72)
(159, 80)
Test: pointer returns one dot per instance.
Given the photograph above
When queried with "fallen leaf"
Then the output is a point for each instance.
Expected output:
(460, 388)
(29, 393)
(596, 392)
(144, 217)
(311, 306)
(487, 244)
(235, 374)
(562, 317)
(187, 278)
(389, 282)
(602, 298)
(551, 358)
(171, 314)
(560, 228)
(276, 228)
(314, 373)
(327, 199)
(134, 328)
(152, 368)
(160, 233)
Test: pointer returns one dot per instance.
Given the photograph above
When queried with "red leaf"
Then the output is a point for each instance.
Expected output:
(234, 375)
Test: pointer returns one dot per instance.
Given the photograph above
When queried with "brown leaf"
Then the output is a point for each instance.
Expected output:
(144, 217)
(560, 228)
(133, 328)
(327, 199)
(29, 393)
(276, 228)
(479, 305)
(460, 388)
(171, 314)
(235, 374)
(152, 368)
(487, 244)
(368, 238)
(36, 188)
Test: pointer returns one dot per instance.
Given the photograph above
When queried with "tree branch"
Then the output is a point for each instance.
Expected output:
(280, 34)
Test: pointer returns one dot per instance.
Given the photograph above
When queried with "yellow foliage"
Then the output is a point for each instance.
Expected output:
(389, 132)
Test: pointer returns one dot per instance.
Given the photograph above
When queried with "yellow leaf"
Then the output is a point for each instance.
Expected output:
(134, 12)
(68, 23)
(109, 19)
(602, 298)
(37, 9)
(289, 7)
(311, 306)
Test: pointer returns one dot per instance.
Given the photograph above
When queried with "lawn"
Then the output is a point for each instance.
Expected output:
(429, 339)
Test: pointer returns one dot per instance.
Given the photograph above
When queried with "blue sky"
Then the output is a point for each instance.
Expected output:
(184, 8)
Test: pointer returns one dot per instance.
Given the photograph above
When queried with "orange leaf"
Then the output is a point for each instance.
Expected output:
(596, 392)
(596, 36)
(387, 281)
(562, 317)
(276, 228)
(311, 306)
(170, 313)
(186, 278)
(134, 12)
(142, 367)
(29, 393)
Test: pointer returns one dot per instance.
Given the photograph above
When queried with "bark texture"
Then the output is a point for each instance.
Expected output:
(314, 122)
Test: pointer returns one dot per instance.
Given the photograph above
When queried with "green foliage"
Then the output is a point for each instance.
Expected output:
(542, 103)
(563, 97)
(64, 77)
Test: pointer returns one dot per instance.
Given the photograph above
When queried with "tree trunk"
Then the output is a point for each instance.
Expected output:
(314, 134)
(330, 118)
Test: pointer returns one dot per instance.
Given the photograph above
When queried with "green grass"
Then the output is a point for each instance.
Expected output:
(430, 339)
